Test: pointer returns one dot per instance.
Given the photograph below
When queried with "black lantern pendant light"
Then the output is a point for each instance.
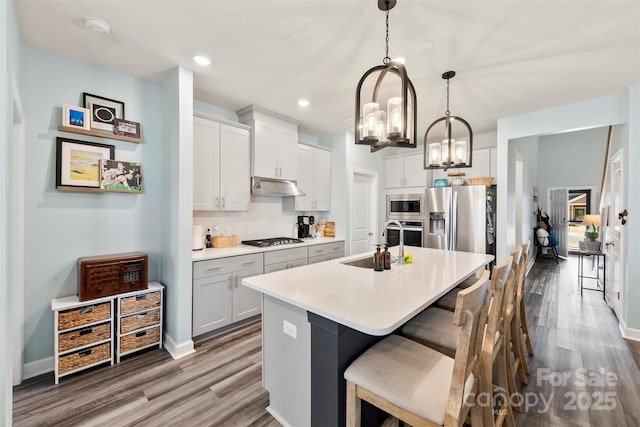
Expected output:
(449, 152)
(395, 126)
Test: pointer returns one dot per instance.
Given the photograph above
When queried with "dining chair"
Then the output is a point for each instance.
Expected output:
(419, 385)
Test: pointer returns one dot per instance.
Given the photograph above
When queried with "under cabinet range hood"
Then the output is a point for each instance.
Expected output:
(274, 187)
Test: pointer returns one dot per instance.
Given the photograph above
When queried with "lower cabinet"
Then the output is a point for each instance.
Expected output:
(90, 333)
(325, 252)
(218, 298)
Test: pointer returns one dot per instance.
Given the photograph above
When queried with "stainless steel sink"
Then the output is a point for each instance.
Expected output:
(362, 262)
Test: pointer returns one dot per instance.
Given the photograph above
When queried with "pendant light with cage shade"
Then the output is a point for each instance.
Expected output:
(385, 113)
(444, 151)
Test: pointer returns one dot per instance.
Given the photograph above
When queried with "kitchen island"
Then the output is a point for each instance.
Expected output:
(318, 318)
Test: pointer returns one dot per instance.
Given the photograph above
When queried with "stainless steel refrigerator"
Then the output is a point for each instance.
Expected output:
(461, 218)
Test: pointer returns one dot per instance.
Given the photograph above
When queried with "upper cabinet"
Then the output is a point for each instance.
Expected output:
(314, 179)
(274, 141)
(221, 179)
(484, 163)
(405, 171)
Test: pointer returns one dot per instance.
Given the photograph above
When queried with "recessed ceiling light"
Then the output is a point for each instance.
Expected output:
(97, 25)
(425, 46)
(303, 103)
(202, 60)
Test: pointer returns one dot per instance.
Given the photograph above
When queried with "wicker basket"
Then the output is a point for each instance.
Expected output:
(80, 359)
(140, 302)
(139, 339)
(82, 337)
(224, 241)
(483, 180)
(139, 321)
(84, 315)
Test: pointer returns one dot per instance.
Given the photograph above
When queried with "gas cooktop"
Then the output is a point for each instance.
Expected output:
(275, 241)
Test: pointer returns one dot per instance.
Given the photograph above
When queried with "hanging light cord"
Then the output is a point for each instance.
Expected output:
(386, 58)
(447, 113)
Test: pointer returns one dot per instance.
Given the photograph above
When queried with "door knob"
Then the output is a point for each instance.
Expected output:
(609, 244)
(370, 234)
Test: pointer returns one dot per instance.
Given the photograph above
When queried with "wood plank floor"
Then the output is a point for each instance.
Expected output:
(574, 339)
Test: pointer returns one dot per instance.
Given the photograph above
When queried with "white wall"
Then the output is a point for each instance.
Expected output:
(8, 44)
(177, 181)
(572, 159)
(610, 110)
(62, 226)
(631, 326)
(527, 150)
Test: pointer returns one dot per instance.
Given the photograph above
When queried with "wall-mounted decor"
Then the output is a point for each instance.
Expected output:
(126, 128)
(117, 175)
(76, 117)
(78, 162)
(104, 111)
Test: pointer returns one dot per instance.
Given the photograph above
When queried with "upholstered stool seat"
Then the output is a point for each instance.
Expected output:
(407, 374)
(434, 326)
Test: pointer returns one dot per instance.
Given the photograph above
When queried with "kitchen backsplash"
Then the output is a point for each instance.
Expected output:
(265, 218)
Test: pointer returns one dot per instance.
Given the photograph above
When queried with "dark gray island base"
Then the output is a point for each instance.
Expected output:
(333, 348)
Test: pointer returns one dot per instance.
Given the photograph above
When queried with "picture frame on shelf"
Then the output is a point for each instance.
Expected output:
(120, 176)
(78, 162)
(103, 110)
(126, 128)
(78, 117)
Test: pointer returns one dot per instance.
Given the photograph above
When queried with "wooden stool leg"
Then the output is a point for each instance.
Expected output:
(505, 411)
(353, 406)
(512, 389)
(525, 330)
(520, 364)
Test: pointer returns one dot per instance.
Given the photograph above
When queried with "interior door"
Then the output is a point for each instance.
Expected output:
(558, 216)
(363, 207)
(615, 246)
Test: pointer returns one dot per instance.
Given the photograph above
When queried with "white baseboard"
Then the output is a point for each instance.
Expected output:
(178, 350)
(628, 333)
(39, 367)
(277, 416)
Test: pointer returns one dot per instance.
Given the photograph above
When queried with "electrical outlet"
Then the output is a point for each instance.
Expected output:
(290, 329)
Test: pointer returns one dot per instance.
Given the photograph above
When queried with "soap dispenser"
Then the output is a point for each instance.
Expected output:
(378, 260)
(387, 257)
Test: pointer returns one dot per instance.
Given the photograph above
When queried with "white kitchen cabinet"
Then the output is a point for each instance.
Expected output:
(218, 297)
(481, 164)
(484, 163)
(221, 179)
(314, 179)
(405, 171)
(325, 252)
(493, 159)
(274, 139)
(285, 259)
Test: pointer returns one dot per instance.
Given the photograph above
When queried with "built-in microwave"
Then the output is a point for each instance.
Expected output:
(405, 206)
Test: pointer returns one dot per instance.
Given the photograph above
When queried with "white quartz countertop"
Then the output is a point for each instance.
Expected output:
(213, 253)
(372, 302)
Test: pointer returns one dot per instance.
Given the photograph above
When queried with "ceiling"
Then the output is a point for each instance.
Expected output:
(510, 56)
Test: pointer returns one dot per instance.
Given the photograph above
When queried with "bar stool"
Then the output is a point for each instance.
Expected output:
(419, 385)
(433, 327)
(521, 316)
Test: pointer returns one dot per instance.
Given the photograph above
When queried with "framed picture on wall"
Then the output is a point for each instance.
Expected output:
(78, 162)
(104, 111)
(118, 175)
(126, 128)
(76, 117)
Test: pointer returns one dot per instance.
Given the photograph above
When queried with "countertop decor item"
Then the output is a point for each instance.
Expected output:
(441, 182)
(448, 152)
(224, 241)
(483, 180)
(389, 121)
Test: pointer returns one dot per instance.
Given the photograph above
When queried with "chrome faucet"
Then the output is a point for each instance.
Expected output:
(401, 248)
